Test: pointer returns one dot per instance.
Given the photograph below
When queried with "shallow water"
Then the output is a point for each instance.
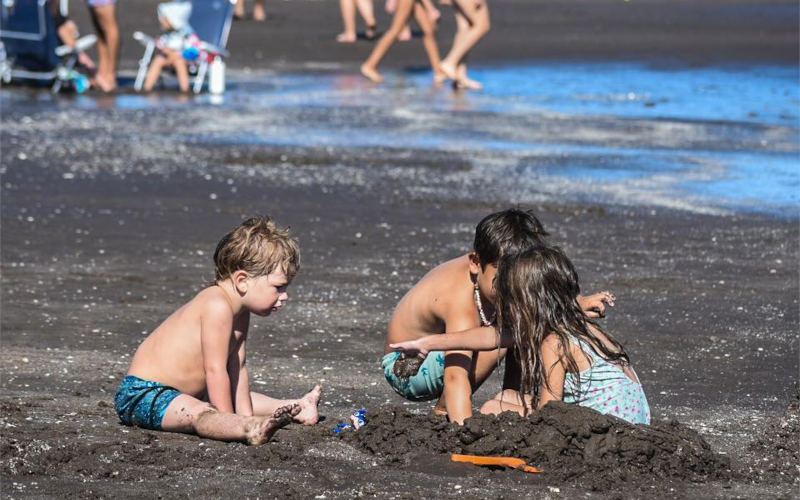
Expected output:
(705, 139)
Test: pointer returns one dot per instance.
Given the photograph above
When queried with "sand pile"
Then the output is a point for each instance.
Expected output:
(569, 442)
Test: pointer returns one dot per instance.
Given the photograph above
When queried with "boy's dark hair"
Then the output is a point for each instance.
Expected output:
(257, 246)
(506, 232)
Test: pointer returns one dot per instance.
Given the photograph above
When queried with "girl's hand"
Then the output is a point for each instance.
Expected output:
(411, 347)
(595, 305)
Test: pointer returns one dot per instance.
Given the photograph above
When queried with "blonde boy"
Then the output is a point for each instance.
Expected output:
(190, 374)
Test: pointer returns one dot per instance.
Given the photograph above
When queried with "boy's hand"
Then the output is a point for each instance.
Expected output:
(595, 305)
(411, 347)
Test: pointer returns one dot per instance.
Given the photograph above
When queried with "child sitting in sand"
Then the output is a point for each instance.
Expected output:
(190, 375)
(455, 296)
(562, 354)
(176, 46)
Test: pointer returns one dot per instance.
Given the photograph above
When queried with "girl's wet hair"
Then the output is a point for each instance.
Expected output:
(506, 232)
(257, 246)
(537, 292)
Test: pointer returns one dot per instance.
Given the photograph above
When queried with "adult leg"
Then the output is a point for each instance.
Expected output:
(433, 12)
(308, 404)
(154, 71)
(348, 9)
(478, 19)
(238, 10)
(259, 14)
(190, 415)
(429, 40)
(104, 18)
(368, 14)
(401, 15)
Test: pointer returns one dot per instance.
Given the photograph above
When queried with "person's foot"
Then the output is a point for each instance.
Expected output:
(391, 5)
(371, 73)
(264, 427)
(346, 37)
(467, 84)
(448, 69)
(439, 412)
(439, 78)
(405, 35)
(370, 32)
(309, 412)
(258, 13)
(104, 83)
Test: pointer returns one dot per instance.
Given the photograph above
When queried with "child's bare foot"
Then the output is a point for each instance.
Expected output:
(467, 84)
(371, 73)
(346, 37)
(309, 413)
(265, 427)
(371, 32)
(439, 412)
(405, 35)
(448, 69)
(439, 78)
(258, 13)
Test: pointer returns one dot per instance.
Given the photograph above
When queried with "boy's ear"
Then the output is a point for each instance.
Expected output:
(239, 279)
(474, 263)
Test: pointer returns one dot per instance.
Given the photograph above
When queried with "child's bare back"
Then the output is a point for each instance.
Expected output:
(173, 353)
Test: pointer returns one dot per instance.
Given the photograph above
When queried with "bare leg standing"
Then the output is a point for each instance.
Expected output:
(478, 24)
(105, 22)
(401, 15)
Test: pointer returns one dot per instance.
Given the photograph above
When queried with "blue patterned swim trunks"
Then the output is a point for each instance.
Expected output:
(143, 402)
(425, 385)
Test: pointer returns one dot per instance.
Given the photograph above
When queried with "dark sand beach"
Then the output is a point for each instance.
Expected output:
(110, 213)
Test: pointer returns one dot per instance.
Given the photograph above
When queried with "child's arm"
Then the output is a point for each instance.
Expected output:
(595, 305)
(244, 402)
(216, 329)
(483, 338)
(554, 371)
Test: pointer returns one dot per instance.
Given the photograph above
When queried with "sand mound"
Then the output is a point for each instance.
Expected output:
(569, 442)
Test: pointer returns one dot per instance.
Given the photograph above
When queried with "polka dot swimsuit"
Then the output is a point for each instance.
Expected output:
(605, 387)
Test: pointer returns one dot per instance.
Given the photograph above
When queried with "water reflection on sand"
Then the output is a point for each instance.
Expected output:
(705, 139)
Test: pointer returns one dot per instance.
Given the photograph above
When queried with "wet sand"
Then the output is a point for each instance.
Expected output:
(109, 219)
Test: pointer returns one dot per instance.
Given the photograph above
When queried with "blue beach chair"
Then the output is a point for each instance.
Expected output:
(30, 48)
(211, 21)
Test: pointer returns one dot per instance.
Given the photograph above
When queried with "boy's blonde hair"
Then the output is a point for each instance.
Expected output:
(258, 247)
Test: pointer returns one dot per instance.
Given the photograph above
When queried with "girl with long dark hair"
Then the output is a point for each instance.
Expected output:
(561, 353)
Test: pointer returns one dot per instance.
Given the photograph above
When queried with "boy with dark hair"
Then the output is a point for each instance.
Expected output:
(189, 375)
(454, 296)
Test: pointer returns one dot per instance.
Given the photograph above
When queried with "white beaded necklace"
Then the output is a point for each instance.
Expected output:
(479, 305)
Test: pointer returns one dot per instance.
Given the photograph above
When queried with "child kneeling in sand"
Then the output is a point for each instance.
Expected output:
(190, 375)
(562, 353)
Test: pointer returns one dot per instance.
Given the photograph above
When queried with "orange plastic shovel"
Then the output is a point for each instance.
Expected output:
(514, 463)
